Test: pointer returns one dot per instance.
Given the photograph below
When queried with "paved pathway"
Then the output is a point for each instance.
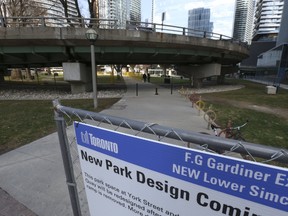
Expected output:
(164, 108)
(34, 175)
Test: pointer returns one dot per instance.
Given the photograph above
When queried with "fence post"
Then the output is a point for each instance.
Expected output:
(67, 161)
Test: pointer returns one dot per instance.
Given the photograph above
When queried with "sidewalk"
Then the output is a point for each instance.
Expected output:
(34, 174)
(164, 108)
(283, 86)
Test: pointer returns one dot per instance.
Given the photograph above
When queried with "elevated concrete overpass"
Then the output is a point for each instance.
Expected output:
(32, 46)
(38, 46)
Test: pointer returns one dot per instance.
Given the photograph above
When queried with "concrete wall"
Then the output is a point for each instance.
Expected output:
(113, 37)
(75, 72)
(206, 70)
(78, 75)
(199, 72)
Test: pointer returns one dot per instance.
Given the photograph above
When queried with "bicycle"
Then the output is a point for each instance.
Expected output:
(210, 116)
(230, 132)
(194, 98)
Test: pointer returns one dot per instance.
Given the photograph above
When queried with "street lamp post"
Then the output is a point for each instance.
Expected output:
(163, 18)
(92, 36)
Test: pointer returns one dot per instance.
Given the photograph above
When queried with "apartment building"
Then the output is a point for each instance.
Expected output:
(199, 22)
(243, 20)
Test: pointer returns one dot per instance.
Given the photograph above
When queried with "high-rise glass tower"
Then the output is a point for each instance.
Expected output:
(199, 19)
(121, 10)
(54, 8)
(276, 59)
(114, 10)
(243, 20)
(267, 19)
(283, 32)
(134, 12)
(269, 47)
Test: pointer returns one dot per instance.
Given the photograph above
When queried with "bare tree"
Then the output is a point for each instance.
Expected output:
(94, 12)
(2, 8)
(18, 8)
(78, 8)
(3, 13)
(66, 7)
(21, 9)
(66, 10)
(93, 8)
(118, 69)
(2, 73)
(16, 74)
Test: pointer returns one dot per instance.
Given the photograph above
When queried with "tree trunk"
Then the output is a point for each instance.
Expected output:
(77, 8)
(28, 73)
(2, 72)
(220, 79)
(16, 74)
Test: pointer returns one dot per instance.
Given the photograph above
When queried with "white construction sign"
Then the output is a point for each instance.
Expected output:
(128, 175)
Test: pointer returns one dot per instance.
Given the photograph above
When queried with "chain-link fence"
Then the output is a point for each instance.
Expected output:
(64, 116)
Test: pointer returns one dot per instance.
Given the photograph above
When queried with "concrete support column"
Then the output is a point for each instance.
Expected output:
(199, 72)
(197, 82)
(79, 77)
(231, 69)
(2, 73)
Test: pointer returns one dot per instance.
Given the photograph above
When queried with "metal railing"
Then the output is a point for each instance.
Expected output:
(64, 116)
(154, 27)
(75, 22)
(267, 80)
(80, 22)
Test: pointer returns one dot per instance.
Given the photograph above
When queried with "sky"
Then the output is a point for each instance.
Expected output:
(176, 12)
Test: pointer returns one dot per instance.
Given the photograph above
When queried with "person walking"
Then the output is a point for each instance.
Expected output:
(144, 77)
(148, 77)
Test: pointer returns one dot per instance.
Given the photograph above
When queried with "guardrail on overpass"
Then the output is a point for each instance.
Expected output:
(81, 22)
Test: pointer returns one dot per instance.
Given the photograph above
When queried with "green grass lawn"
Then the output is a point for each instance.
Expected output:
(25, 121)
(255, 93)
(263, 128)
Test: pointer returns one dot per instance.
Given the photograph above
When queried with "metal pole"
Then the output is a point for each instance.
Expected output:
(156, 91)
(94, 77)
(67, 161)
